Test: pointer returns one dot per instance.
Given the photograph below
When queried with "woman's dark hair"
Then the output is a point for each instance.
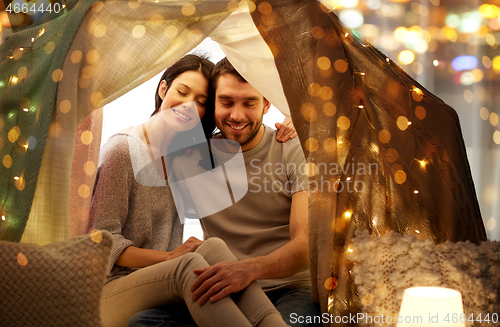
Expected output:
(197, 63)
(200, 64)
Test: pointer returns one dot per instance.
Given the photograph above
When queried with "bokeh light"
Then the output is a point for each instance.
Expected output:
(496, 64)
(489, 11)
(467, 78)
(349, 3)
(496, 137)
(373, 4)
(470, 22)
(464, 63)
(406, 57)
(352, 18)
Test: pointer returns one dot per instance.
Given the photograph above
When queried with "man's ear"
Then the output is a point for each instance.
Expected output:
(267, 105)
(162, 89)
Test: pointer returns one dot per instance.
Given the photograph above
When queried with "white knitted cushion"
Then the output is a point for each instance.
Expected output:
(385, 266)
(54, 285)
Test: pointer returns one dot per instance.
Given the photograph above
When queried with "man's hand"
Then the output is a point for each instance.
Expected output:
(217, 281)
(286, 130)
(189, 246)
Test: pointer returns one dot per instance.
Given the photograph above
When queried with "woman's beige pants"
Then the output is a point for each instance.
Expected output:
(170, 282)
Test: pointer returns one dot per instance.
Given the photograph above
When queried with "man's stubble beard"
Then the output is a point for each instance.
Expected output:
(242, 139)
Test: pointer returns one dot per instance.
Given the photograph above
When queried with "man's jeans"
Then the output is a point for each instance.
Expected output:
(295, 305)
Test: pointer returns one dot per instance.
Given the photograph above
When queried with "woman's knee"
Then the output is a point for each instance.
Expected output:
(192, 259)
(212, 244)
(185, 266)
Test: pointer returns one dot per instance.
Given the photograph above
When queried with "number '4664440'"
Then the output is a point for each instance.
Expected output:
(33, 8)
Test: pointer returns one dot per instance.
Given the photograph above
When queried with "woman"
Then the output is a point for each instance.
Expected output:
(149, 266)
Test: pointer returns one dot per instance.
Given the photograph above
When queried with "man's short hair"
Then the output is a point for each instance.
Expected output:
(224, 67)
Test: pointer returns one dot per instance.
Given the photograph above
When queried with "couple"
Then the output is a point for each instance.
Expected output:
(267, 232)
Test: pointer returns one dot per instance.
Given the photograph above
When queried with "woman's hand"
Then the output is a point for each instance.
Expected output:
(135, 257)
(286, 130)
(189, 246)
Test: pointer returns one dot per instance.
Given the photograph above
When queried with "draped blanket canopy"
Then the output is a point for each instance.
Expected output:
(383, 152)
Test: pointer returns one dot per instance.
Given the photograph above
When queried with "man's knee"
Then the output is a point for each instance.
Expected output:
(298, 309)
(153, 318)
(175, 315)
(141, 318)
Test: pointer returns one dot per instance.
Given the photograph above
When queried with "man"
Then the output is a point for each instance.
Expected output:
(267, 229)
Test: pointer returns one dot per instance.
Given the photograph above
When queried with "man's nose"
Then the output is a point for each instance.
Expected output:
(237, 113)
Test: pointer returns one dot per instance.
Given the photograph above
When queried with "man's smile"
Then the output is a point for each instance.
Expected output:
(237, 128)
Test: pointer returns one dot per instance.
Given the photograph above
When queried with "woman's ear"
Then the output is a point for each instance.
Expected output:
(162, 90)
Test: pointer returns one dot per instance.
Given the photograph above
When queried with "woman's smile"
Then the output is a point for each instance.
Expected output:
(181, 115)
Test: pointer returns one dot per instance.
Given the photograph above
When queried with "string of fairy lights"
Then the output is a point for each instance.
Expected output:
(463, 66)
(481, 22)
(12, 159)
(457, 41)
(452, 48)
(415, 97)
(25, 106)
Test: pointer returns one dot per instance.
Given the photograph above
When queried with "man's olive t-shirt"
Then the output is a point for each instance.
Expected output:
(259, 223)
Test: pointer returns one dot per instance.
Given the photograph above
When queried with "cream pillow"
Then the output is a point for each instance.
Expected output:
(385, 266)
(54, 285)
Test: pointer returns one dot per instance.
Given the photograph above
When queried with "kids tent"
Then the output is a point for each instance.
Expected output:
(382, 152)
